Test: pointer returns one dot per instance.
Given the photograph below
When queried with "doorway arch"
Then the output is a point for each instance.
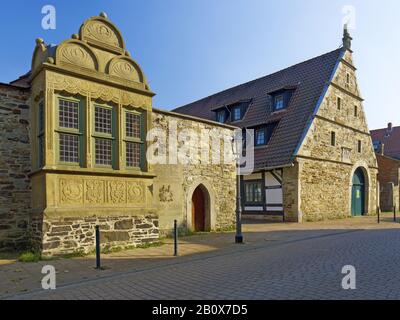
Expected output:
(203, 193)
(358, 197)
(199, 209)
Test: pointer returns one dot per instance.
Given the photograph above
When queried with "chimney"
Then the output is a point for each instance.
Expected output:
(346, 38)
(390, 126)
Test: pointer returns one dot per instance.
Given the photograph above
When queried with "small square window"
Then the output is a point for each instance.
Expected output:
(103, 120)
(69, 148)
(103, 153)
(68, 114)
(236, 114)
(278, 102)
(355, 111)
(333, 138)
(339, 103)
(132, 125)
(359, 146)
(260, 137)
(253, 192)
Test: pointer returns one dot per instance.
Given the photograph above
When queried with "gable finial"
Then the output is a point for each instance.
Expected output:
(346, 38)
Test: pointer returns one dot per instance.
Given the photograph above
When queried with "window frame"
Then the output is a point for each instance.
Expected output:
(223, 113)
(41, 134)
(79, 132)
(264, 130)
(280, 95)
(106, 136)
(126, 139)
(253, 201)
(339, 103)
(333, 139)
(233, 109)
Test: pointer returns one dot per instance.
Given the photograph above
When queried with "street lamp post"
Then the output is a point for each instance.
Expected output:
(237, 151)
(238, 236)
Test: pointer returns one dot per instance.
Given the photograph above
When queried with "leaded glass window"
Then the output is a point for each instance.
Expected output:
(69, 147)
(68, 114)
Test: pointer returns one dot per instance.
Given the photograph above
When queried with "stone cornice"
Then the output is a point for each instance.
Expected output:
(342, 125)
(329, 160)
(346, 91)
(95, 77)
(94, 172)
(349, 64)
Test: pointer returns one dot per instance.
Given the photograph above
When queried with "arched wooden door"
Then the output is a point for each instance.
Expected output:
(198, 210)
(358, 193)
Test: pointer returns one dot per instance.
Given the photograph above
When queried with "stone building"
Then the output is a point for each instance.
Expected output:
(387, 147)
(75, 135)
(313, 154)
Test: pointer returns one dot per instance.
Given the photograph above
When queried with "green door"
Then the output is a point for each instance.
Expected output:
(358, 193)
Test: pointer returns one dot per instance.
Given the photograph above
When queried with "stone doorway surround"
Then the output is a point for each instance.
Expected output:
(209, 199)
(367, 176)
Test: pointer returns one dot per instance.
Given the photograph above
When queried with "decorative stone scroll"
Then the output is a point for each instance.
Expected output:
(101, 31)
(76, 53)
(101, 191)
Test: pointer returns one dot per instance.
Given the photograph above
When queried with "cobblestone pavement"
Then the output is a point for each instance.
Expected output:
(276, 262)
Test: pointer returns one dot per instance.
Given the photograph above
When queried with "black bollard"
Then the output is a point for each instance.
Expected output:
(175, 238)
(98, 264)
(394, 213)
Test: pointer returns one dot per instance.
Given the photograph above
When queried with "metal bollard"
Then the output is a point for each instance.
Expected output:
(175, 238)
(394, 213)
(98, 264)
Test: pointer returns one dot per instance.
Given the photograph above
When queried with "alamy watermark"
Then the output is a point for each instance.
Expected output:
(49, 280)
(349, 280)
(49, 19)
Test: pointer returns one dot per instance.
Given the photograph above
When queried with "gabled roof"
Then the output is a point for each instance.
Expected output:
(391, 140)
(309, 81)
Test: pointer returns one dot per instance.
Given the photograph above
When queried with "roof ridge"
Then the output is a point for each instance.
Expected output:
(259, 78)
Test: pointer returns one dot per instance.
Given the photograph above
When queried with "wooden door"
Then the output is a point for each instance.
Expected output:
(198, 210)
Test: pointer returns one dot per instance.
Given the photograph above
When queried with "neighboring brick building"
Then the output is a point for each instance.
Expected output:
(387, 147)
(314, 157)
(387, 141)
(73, 153)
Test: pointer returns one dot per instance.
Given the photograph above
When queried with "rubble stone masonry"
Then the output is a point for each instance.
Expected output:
(15, 164)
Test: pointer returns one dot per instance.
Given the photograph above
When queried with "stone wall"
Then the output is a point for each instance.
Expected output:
(291, 194)
(77, 234)
(389, 179)
(14, 168)
(175, 183)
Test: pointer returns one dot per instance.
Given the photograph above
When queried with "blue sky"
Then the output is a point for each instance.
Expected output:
(190, 49)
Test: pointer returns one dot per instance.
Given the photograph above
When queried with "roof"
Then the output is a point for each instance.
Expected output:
(187, 117)
(391, 140)
(309, 79)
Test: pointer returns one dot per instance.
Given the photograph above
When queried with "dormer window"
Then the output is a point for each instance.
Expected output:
(236, 113)
(279, 102)
(221, 116)
(263, 134)
(280, 98)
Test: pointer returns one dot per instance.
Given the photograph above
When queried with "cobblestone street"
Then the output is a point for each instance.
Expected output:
(291, 262)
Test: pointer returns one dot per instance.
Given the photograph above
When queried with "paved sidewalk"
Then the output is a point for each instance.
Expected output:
(18, 278)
